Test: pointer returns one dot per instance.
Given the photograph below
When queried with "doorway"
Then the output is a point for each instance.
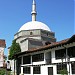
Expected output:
(50, 70)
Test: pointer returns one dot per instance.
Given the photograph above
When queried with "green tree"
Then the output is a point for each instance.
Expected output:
(2, 71)
(15, 48)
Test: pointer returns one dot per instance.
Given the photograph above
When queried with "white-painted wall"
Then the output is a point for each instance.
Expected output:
(44, 70)
(1, 56)
(38, 63)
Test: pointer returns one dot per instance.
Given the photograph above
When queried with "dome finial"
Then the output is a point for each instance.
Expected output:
(33, 13)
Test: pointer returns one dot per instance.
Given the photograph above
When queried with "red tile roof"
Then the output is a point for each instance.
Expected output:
(2, 43)
(49, 45)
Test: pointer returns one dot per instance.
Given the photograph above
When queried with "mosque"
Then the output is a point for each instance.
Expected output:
(40, 53)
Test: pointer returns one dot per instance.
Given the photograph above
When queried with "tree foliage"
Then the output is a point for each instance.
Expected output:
(64, 72)
(15, 48)
(2, 71)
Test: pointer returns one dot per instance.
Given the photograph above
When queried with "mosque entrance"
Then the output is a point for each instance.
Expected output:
(50, 70)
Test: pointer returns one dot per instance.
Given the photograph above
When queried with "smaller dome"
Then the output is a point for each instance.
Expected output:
(34, 25)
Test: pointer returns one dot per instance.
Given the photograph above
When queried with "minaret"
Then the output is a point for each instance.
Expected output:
(33, 13)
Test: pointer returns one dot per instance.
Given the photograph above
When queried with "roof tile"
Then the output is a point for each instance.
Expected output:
(2, 43)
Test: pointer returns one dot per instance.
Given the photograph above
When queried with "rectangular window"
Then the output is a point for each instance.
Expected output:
(26, 70)
(60, 54)
(71, 52)
(19, 60)
(38, 57)
(36, 70)
(26, 59)
(73, 68)
(61, 67)
(18, 63)
(48, 58)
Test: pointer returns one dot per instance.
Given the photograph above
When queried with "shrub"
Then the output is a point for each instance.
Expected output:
(63, 72)
(2, 71)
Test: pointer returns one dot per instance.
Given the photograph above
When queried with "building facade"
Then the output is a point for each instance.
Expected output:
(49, 59)
(2, 47)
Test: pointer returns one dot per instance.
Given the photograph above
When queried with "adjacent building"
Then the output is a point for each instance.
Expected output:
(2, 56)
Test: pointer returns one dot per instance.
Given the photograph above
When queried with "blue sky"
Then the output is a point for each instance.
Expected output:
(57, 14)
